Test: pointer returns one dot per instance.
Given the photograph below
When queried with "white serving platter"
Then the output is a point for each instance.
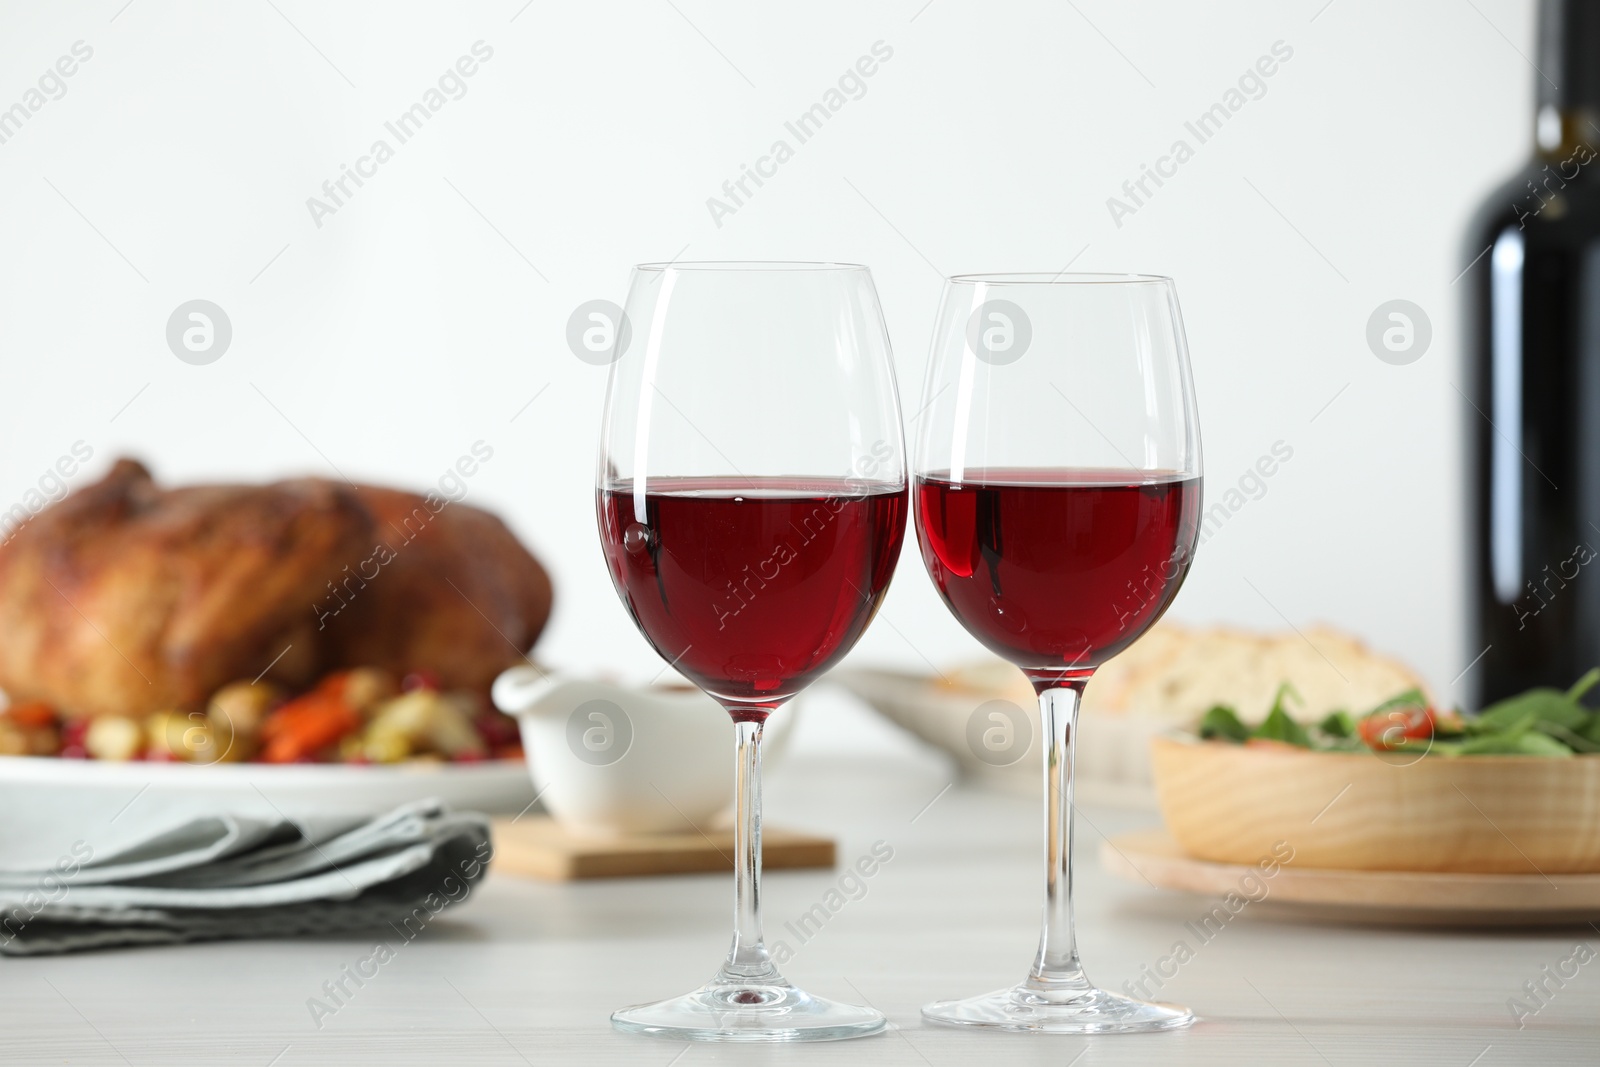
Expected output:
(47, 804)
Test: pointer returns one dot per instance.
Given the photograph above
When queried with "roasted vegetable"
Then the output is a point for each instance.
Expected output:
(302, 728)
(29, 729)
(420, 722)
(361, 715)
(114, 738)
(236, 714)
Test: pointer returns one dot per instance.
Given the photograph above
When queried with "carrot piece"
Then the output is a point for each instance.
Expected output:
(305, 725)
(32, 713)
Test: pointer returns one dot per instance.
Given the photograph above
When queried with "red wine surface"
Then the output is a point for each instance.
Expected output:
(1057, 569)
(752, 587)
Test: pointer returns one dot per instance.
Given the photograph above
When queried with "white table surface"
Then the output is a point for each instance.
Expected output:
(526, 973)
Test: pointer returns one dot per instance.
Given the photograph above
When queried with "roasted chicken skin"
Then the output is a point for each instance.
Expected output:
(444, 587)
(127, 598)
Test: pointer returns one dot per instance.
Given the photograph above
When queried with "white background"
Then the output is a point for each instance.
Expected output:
(427, 311)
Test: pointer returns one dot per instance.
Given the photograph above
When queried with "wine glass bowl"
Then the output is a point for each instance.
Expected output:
(755, 586)
(751, 499)
(1057, 499)
(1056, 570)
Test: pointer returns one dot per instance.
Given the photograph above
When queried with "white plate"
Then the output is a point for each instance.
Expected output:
(49, 803)
(1113, 751)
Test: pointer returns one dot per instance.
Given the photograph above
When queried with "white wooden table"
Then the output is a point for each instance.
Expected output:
(528, 972)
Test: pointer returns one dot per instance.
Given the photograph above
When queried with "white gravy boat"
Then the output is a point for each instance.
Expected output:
(610, 759)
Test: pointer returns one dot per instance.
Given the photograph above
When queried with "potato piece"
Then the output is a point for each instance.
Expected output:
(452, 734)
(163, 734)
(385, 746)
(428, 722)
(14, 740)
(187, 737)
(367, 687)
(235, 714)
(111, 737)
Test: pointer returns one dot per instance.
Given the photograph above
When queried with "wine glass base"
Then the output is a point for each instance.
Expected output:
(1093, 1011)
(769, 1010)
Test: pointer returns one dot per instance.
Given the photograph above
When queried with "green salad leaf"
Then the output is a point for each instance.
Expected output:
(1338, 724)
(1279, 725)
(1573, 740)
(1590, 731)
(1223, 722)
(1527, 742)
(1545, 705)
(1545, 722)
(1551, 705)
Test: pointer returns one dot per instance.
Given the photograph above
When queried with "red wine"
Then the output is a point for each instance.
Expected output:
(1532, 284)
(752, 587)
(1057, 570)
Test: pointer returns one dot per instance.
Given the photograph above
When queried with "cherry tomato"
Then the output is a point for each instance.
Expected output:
(1393, 728)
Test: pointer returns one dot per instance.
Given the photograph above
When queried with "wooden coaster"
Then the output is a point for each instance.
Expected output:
(536, 846)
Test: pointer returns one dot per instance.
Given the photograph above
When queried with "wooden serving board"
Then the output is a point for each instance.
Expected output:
(536, 846)
(1421, 898)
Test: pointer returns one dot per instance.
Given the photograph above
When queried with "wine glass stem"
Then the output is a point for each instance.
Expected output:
(747, 956)
(1056, 968)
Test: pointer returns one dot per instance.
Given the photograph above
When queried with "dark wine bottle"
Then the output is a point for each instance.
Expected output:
(1533, 374)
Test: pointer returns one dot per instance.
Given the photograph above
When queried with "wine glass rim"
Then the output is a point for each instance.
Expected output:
(1059, 278)
(749, 265)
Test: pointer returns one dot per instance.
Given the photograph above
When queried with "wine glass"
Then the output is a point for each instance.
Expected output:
(752, 502)
(1057, 496)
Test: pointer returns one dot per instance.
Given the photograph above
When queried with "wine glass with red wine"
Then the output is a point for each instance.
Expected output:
(752, 501)
(1057, 497)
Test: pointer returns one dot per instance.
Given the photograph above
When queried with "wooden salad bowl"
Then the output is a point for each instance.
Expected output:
(1241, 804)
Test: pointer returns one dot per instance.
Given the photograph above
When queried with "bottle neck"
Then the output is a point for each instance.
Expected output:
(1567, 78)
(1563, 135)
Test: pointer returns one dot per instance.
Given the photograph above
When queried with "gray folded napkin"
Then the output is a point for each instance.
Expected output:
(237, 876)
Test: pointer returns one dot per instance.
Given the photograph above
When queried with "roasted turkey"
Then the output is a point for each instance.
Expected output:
(126, 598)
